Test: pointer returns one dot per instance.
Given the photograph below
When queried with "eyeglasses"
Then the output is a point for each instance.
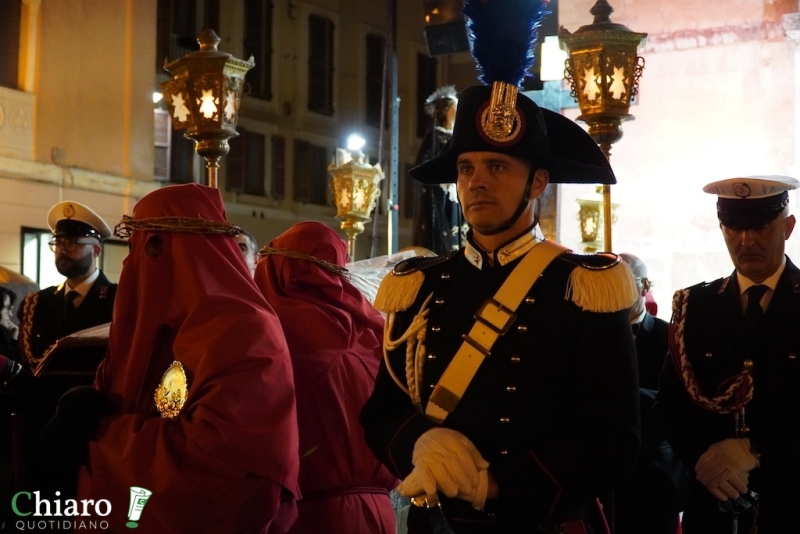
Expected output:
(69, 243)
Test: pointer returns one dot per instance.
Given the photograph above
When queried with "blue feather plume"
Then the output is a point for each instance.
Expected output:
(503, 34)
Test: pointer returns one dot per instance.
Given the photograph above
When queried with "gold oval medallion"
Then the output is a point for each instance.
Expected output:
(171, 392)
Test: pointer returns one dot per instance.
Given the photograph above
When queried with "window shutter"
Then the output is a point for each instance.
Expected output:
(161, 135)
(235, 162)
(10, 21)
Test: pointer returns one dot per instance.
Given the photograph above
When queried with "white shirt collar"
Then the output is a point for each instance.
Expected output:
(84, 287)
(507, 253)
(771, 282)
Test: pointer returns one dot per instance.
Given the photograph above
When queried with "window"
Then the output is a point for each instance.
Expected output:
(245, 163)
(163, 134)
(10, 22)
(426, 84)
(277, 188)
(310, 173)
(320, 65)
(548, 26)
(376, 53)
(179, 22)
(258, 42)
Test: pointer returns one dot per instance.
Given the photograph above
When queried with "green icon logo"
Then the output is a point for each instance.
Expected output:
(139, 498)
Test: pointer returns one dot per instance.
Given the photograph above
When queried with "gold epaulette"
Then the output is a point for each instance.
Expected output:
(601, 283)
(400, 287)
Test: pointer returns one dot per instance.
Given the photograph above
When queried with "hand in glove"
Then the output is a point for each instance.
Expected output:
(731, 488)
(721, 464)
(65, 438)
(445, 460)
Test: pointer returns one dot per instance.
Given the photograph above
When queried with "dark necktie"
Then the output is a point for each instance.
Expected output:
(635, 328)
(69, 305)
(754, 312)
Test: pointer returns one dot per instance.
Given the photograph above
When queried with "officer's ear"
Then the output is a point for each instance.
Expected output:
(540, 180)
(788, 226)
(96, 248)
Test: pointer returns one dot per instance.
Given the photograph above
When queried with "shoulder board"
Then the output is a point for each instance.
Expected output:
(420, 263)
(400, 287)
(719, 285)
(601, 282)
(702, 290)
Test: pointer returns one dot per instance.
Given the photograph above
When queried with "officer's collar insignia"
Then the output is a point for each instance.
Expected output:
(171, 393)
(505, 254)
(69, 211)
(725, 283)
(517, 248)
(796, 283)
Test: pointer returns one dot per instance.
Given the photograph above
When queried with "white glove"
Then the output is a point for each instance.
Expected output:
(720, 466)
(445, 460)
(731, 488)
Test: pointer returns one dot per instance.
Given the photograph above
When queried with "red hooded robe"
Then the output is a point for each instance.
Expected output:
(228, 462)
(335, 338)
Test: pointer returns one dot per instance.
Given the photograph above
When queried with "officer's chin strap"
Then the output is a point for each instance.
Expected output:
(526, 199)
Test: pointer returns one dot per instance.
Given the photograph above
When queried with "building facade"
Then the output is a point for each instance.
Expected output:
(719, 97)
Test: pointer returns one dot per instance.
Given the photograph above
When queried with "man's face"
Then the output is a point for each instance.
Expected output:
(247, 251)
(5, 311)
(758, 253)
(77, 262)
(490, 187)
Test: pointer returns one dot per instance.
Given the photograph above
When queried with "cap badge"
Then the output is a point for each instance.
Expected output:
(171, 393)
(741, 189)
(69, 211)
(500, 121)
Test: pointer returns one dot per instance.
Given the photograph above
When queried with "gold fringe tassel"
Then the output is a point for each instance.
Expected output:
(603, 290)
(398, 292)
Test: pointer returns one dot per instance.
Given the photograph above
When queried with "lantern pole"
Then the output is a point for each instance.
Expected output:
(603, 70)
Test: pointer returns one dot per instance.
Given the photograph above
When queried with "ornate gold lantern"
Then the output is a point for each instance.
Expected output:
(603, 70)
(203, 97)
(356, 189)
(591, 223)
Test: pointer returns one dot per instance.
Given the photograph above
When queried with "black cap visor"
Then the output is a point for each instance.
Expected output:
(749, 214)
(73, 228)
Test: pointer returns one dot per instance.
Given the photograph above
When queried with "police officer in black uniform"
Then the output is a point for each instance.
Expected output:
(85, 299)
(516, 421)
(49, 362)
(729, 399)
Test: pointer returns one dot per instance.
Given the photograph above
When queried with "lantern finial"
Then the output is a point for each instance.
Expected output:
(601, 11)
(208, 40)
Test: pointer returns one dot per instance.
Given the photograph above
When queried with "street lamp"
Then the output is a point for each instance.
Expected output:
(603, 70)
(356, 189)
(204, 96)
